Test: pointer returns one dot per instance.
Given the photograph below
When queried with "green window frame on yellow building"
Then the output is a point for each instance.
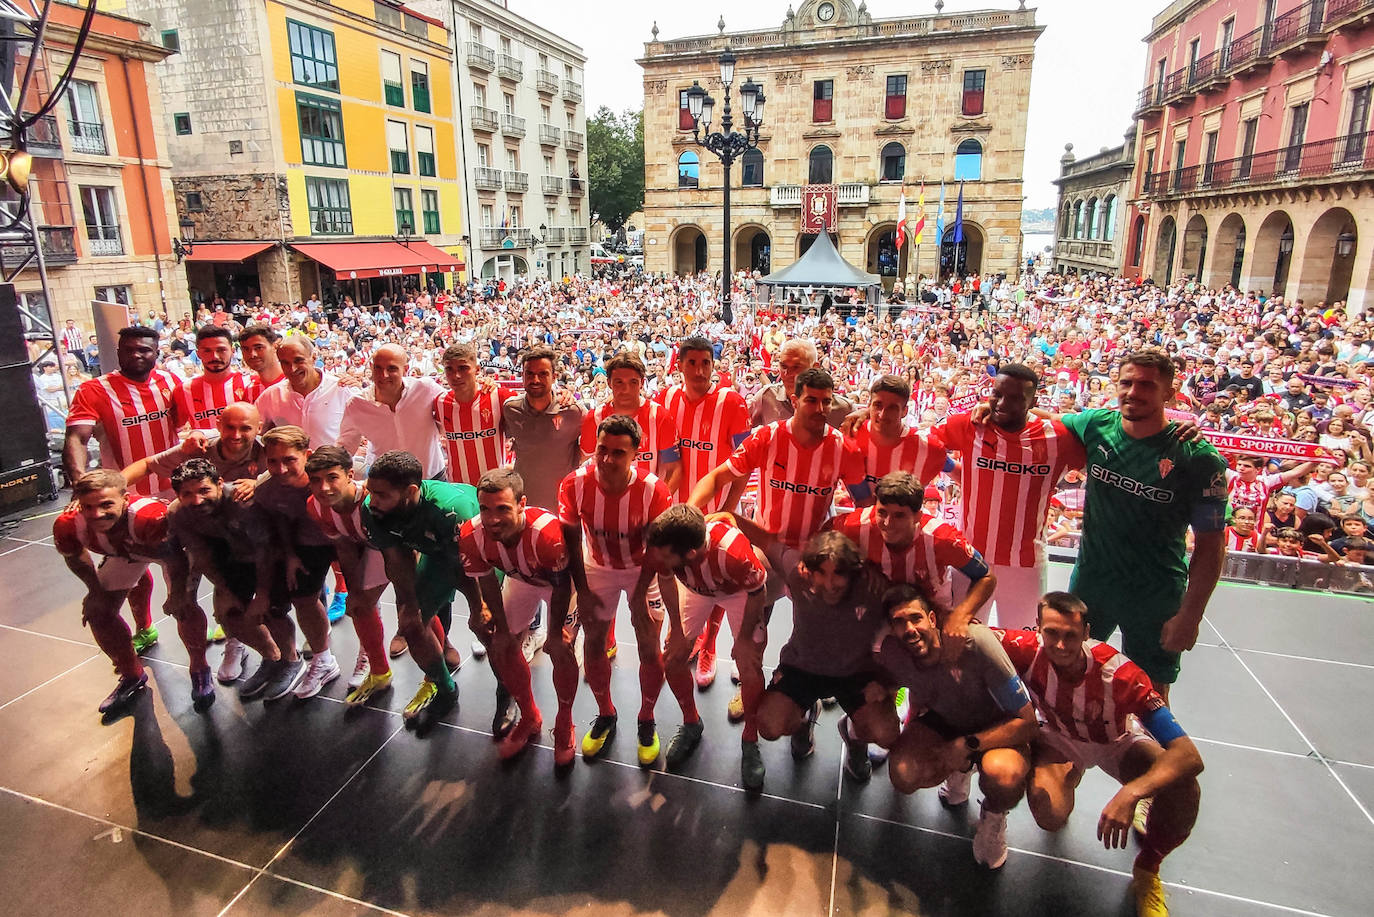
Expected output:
(331, 213)
(314, 59)
(429, 209)
(424, 151)
(398, 144)
(322, 134)
(419, 86)
(405, 211)
(393, 90)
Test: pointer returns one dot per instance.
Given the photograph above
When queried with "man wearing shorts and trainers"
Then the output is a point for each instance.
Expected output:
(1098, 709)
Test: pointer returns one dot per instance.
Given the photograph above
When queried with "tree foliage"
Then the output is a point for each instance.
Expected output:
(615, 165)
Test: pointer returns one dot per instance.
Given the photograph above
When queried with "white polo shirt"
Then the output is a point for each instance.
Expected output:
(409, 426)
(319, 413)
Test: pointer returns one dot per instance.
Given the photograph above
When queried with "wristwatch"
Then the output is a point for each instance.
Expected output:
(971, 743)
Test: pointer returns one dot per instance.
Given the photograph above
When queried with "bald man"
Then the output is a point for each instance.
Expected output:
(311, 399)
(396, 413)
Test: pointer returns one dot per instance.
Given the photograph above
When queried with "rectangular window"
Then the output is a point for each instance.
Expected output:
(417, 27)
(405, 211)
(83, 119)
(1209, 158)
(102, 220)
(479, 95)
(1247, 147)
(429, 209)
(424, 150)
(483, 154)
(1297, 129)
(419, 85)
(1180, 147)
(1193, 47)
(330, 211)
(684, 113)
(392, 87)
(313, 59)
(894, 106)
(399, 146)
(386, 14)
(322, 136)
(508, 100)
(182, 121)
(822, 100)
(1228, 34)
(487, 214)
(121, 295)
(975, 81)
(1161, 68)
(1359, 123)
(512, 159)
(751, 175)
(171, 40)
(194, 203)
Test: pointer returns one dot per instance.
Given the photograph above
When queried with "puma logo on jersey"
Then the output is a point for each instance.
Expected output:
(1106, 453)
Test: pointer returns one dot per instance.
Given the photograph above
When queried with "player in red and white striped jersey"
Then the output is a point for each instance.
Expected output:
(133, 412)
(335, 503)
(469, 418)
(715, 566)
(1241, 534)
(885, 442)
(130, 534)
(205, 397)
(526, 544)
(659, 452)
(1246, 486)
(258, 346)
(604, 507)
(1009, 468)
(1098, 709)
(800, 461)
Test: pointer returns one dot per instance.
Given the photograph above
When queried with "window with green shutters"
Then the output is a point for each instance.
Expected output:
(424, 150)
(313, 58)
(322, 136)
(429, 206)
(392, 88)
(419, 86)
(405, 211)
(399, 146)
(330, 211)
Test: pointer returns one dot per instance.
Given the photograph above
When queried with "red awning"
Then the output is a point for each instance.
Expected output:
(360, 260)
(227, 252)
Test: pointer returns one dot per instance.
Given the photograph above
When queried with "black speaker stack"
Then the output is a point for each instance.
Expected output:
(25, 476)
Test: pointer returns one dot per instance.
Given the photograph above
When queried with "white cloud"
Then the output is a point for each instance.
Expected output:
(1089, 63)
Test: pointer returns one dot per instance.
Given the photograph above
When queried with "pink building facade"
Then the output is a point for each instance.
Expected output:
(1254, 156)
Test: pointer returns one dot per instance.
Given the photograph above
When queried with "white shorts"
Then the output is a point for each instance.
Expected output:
(521, 601)
(696, 610)
(609, 583)
(374, 570)
(1014, 602)
(1087, 755)
(119, 574)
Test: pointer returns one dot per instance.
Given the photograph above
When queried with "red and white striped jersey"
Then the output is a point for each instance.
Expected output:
(796, 485)
(202, 400)
(1093, 709)
(613, 526)
(472, 433)
(1235, 541)
(536, 558)
(339, 526)
(709, 429)
(658, 445)
(133, 420)
(726, 566)
(1007, 480)
(1253, 496)
(914, 452)
(256, 386)
(937, 547)
(141, 532)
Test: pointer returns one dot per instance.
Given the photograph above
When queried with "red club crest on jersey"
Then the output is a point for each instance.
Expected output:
(486, 415)
(860, 611)
(1165, 466)
(558, 421)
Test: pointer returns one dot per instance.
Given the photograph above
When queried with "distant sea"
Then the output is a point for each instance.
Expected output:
(1036, 243)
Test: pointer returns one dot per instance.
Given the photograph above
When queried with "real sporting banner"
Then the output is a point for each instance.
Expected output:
(1264, 447)
(818, 209)
(1333, 381)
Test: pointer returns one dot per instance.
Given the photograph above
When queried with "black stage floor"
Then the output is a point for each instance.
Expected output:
(307, 808)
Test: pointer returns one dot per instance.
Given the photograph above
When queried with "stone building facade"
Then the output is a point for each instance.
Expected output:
(875, 107)
(1093, 192)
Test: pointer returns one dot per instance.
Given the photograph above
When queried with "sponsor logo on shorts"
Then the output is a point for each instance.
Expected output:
(988, 464)
(1132, 486)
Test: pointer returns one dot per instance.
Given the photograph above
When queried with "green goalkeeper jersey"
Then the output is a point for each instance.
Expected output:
(1142, 495)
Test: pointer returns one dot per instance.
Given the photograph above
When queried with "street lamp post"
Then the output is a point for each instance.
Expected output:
(727, 144)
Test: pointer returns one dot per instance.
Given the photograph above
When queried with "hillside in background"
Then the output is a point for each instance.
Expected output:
(1037, 220)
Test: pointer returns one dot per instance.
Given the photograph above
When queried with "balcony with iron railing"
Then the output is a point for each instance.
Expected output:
(486, 179)
(87, 137)
(553, 184)
(509, 67)
(572, 91)
(484, 119)
(575, 187)
(546, 81)
(59, 247)
(550, 135)
(579, 235)
(517, 181)
(43, 138)
(503, 237)
(512, 125)
(1335, 158)
(574, 140)
(556, 235)
(480, 57)
(847, 194)
(104, 240)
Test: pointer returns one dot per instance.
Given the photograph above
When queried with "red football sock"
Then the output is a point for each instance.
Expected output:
(565, 679)
(708, 636)
(372, 636)
(684, 688)
(650, 685)
(599, 679)
(191, 628)
(751, 693)
(515, 675)
(113, 637)
(141, 601)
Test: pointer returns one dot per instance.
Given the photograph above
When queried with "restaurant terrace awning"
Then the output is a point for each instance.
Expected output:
(227, 252)
(361, 260)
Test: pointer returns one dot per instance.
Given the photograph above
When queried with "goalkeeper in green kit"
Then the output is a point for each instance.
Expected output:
(1145, 488)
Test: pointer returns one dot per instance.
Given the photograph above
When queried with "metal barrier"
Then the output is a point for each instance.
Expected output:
(1273, 570)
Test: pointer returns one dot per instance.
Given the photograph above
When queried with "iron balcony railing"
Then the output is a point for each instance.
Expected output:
(1334, 157)
(574, 140)
(510, 68)
(484, 119)
(550, 135)
(486, 178)
(553, 184)
(87, 137)
(512, 125)
(517, 181)
(104, 240)
(480, 57)
(546, 81)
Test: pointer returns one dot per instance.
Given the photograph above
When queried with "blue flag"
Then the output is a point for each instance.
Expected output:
(940, 217)
(959, 217)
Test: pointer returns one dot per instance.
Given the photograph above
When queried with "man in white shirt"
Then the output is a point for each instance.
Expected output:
(310, 399)
(397, 412)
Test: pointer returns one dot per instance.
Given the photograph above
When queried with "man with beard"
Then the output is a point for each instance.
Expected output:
(543, 432)
(203, 398)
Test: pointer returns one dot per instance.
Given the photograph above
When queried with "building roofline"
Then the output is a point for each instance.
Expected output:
(497, 11)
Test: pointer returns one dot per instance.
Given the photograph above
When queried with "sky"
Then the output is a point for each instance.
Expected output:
(1089, 62)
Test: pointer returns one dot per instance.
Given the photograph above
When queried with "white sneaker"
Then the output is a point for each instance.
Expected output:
(990, 841)
(533, 640)
(361, 669)
(954, 791)
(231, 666)
(734, 671)
(478, 650)
(322, 670)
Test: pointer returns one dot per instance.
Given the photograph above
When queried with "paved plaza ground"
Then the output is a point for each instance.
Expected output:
(309, 808)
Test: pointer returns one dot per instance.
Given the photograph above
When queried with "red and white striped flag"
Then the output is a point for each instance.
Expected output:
(901, 222)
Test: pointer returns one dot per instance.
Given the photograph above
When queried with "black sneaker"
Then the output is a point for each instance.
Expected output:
(434, 711)
(856, 763)
(202, 690)
(259, 680)
(124, 692)
(684, 743)
(288, 672)
(804, 739)
(506, 716)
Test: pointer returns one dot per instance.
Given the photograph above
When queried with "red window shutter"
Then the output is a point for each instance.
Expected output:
(820, 109)
(973, 101)
(896, 107)
(684, 119)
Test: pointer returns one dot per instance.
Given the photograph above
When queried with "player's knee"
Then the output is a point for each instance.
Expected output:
(906, 773)
(1043, 811)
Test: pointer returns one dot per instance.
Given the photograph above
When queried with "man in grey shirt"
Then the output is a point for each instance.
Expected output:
(236, 452)
(774, 402)
(543, 434)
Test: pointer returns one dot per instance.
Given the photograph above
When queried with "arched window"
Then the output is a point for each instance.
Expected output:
(821, 170)
(1078, 220)
(1109, 219)
(1137, 241)
(1090, 218)
(968, 161)
(688, 169)
(894, 162)
(751, 175)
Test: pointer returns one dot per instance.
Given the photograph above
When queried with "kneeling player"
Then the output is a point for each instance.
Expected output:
(1129, 733)
(977, 712)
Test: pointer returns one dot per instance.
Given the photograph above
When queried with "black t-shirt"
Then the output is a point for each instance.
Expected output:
(1254, 386)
